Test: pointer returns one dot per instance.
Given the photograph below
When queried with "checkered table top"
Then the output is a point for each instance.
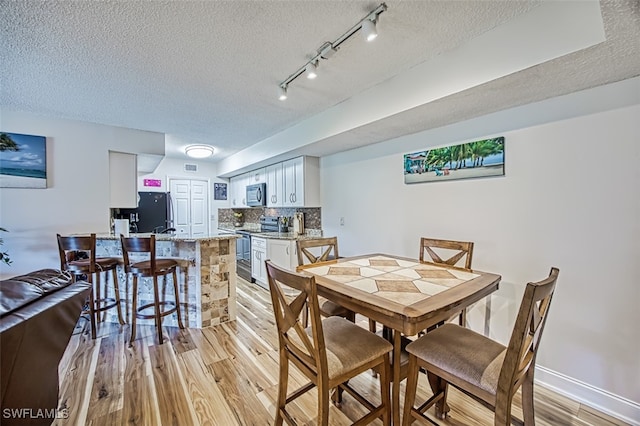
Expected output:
(401, 281)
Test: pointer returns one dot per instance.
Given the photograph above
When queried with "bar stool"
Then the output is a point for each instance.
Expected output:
(90, 266)
(151, 268)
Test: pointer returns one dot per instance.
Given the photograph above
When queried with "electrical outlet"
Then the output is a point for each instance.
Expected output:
(342, 221)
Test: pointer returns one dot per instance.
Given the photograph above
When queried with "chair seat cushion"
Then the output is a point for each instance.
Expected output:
(349, 346)
(102, 264)
(463, 353)
(163, 266)
(332, 309)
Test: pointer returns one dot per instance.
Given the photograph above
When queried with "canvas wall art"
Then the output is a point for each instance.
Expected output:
(468, 160)
(23, 161)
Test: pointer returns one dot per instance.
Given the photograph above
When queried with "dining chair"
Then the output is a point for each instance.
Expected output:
(482, 368)
(329, 352)
(153, 267)
(451, 253)
(325, 249)
(69, 248)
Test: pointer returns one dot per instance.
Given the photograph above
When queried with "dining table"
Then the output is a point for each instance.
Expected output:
(405, 295)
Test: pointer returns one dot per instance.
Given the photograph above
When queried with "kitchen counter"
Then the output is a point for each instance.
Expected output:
(206, 274)
(275, 235)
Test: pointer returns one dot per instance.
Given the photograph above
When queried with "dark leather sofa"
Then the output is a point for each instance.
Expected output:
(38, 313)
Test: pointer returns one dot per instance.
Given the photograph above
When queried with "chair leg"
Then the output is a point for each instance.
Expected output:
(410, 391)
(351, 316)
(99, 314)
(176, 289)
(439, 385)
(373, 328)
(156, 307)
(116, 289)
(462, 320)
(385, 395)
(134, 309)
(323, 403)
(528, 411)
(92, 310)
(282, 387)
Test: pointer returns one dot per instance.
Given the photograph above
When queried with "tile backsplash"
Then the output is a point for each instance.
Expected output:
(251, 216)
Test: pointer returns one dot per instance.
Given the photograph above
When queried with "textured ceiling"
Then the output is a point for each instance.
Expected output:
(207, 71)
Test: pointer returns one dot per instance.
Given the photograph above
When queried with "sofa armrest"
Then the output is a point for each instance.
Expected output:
(32, 342)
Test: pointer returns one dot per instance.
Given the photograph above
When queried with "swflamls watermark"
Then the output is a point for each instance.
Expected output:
(35, 413)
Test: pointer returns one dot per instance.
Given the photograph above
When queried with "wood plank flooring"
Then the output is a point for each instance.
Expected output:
(227, 375)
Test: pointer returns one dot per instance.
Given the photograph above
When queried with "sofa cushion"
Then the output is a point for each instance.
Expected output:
(19, 291)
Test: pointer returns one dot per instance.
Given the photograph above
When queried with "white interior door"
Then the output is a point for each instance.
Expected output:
(199, 208)
(190, 205)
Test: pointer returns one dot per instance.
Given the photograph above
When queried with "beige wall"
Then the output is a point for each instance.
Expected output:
(570, 198)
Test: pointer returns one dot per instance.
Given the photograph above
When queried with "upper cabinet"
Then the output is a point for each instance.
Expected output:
(301, 182)
(123, 180)
(292, 183)
(275, 186)
(238, 191)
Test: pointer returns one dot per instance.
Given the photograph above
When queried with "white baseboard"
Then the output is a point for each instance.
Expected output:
(606, 402)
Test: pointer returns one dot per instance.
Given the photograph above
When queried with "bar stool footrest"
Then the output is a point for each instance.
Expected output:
(107, 303)
(164, 313)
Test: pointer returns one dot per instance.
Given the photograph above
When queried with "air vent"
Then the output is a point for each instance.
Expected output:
(190, 167)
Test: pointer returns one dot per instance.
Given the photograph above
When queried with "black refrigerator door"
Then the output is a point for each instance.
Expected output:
(153, 211)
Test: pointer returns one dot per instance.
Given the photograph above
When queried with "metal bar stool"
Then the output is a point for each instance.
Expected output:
(151, 268)
(68, 248)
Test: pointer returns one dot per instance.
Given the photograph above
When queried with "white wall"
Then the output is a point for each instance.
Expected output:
(76, 199)
(174, 168)
(570, 198)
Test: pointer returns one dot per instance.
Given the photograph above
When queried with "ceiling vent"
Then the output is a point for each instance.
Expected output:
(190, 167)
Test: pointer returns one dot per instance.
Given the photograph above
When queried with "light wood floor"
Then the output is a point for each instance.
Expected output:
(227, 375)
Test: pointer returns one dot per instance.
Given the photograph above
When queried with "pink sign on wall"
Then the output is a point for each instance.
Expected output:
(152, 182)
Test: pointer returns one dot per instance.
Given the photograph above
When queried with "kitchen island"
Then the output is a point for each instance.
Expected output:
(207, 277)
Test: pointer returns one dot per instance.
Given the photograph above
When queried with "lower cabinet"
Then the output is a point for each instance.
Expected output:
(258, 256)
(282, 253)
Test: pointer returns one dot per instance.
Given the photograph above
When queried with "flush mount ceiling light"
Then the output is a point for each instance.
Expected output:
(199, 151)
(328, 49)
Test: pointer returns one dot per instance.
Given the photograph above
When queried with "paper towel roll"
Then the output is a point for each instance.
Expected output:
(121, 226)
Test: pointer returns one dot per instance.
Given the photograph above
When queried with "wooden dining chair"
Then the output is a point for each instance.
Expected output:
(153, 267)
(329, 352)
(448, 252)
(325, 249)
(484, 369)
(90, 265)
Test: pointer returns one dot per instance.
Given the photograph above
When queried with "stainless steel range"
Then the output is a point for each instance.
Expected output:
(243, 245)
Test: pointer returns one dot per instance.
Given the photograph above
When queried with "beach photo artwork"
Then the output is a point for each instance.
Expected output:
(23, 161)
(468, 160)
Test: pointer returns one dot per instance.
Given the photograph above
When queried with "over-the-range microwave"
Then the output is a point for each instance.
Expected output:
(257, 195)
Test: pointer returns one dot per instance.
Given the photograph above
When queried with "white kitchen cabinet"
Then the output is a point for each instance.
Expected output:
(301, 182)
(282, 253)
(238, 190)
(123, 180)
(274, 185)
(258, 256)
(257, 176)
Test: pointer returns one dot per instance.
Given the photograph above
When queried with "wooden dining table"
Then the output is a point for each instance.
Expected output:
(405, 295)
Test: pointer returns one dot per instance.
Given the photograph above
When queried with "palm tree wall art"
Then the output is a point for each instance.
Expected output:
(480, 158)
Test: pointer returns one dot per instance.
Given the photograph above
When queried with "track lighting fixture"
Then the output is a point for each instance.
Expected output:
(311, 71)
(328, 49)
(369, 30)
(282, 93)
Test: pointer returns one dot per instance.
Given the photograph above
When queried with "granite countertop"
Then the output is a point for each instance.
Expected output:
(215, 235)
(273, 235)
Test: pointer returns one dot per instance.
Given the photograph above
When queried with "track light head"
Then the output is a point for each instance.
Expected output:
(311, 71)
(282, 93)
(369, 29)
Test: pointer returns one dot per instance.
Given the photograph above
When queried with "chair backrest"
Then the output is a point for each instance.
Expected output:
(525, 338)
(306, 351)
(328, 249)
(138, 245)
(68, 244)
(457, 249)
